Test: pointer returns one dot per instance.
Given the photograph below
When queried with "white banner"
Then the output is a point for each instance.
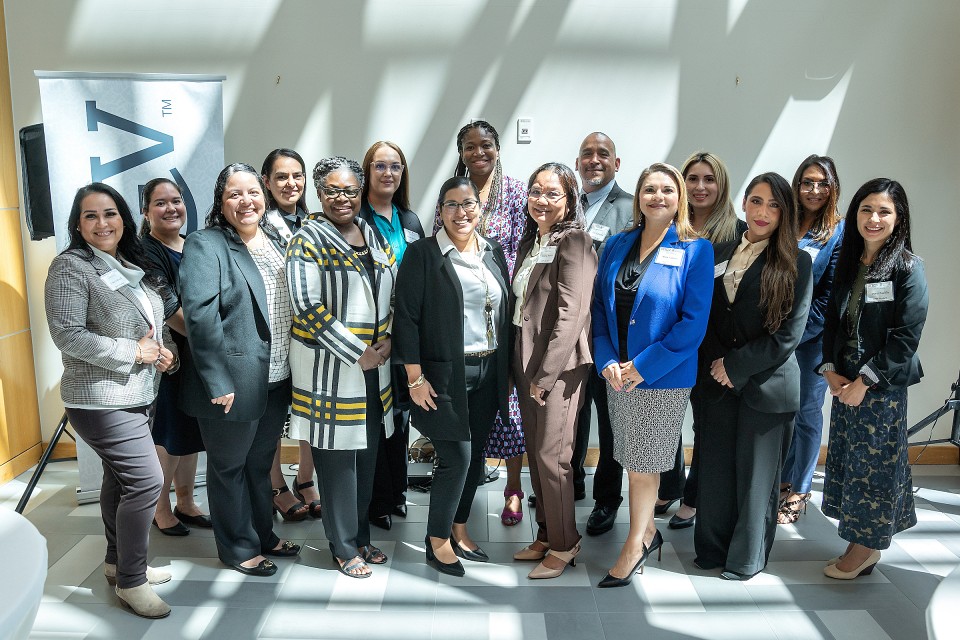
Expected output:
(126, 129)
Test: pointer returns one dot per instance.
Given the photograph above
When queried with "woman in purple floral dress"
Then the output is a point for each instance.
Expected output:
(504, 202)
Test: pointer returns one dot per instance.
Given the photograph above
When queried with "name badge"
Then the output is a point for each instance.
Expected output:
(410, 236)
(813, 251)
(275, 219)
(669, 257)
(879, 292)
(547, 255)
(720, 269)
(114, 279)
(379, 255)
(598, 232)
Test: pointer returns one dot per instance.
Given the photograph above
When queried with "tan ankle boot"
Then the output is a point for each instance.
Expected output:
(154, 576)
(143, 601)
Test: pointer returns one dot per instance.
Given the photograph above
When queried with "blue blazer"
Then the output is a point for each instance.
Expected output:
(825, 257)
(669, 316)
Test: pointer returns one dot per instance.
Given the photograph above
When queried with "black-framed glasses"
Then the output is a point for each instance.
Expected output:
(334, 192)
(806, 186)
(468, 206)
(383, 167)
(551, 196)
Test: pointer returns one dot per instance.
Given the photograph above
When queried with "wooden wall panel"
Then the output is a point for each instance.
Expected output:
(14, 315)
(18, 396)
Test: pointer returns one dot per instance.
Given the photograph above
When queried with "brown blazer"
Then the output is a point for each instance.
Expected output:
(555, 334)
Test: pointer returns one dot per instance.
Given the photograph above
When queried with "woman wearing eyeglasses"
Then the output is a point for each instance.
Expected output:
(551, 293)
(385, 206)
(503, 215)
(452, 337)
(341, 276)
(817, 190)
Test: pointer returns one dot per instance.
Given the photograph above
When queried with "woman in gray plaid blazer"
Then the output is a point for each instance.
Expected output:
(106, 317)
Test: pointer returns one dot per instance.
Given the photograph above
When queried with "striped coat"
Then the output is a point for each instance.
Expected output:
(336, 317)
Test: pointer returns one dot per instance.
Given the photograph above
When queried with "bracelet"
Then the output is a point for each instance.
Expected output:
(139, 357)
(417, 383)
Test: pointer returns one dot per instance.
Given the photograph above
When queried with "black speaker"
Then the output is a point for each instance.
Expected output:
(36, 182)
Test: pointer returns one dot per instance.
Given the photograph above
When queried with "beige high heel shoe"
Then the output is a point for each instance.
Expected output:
(541, 572)
(865, 569)
(528, 553)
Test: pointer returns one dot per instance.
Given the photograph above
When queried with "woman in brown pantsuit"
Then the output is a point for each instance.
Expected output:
(551, 294)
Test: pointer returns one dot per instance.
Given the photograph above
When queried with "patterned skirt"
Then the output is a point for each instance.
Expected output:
(646, 427)
(867, 484)
(506, 437)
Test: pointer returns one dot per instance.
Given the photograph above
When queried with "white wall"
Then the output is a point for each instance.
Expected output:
(763, 84)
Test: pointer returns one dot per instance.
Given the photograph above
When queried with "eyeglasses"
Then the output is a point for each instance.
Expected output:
(468, 206)
(383, 167)
(334, 192)
(551, 196)
(807, 186)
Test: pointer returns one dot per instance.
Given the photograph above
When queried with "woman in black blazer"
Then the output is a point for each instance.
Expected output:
(748, 386)
(451, 333)
(385, 206)
(876, 313)
(236, 379)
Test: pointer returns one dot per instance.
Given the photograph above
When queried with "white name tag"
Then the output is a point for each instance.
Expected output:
(670, 257)
(813, 251)
(275, 219)
(720, 269)
(879, 292)
(410, 236)
(598, 232)
(114, 279)
(547, 255)
(379, 255)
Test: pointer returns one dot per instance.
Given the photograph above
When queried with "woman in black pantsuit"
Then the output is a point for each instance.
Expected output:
(451, 334)
(749, 382)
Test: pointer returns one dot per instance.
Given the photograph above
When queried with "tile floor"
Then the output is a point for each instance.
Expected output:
(407, 599)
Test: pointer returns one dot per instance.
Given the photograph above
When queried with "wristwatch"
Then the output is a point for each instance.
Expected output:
(866, 381)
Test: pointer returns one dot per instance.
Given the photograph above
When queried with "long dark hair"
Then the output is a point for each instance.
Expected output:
(573, 217)
(129, 247)
(896, 252)
(216, 219)
(267, 170)
(147, 196)
(827, 217)
(779, 276)
(401, 197)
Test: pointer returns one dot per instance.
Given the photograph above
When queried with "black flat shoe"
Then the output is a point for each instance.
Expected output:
(287, 550)
(178, 529)
(705, 565)
(660, 509)
(476, 555)
(400, 510)
(265, 568)
(197, 521)
(451, 569)
(610, 581)
(579, 494)
(382, 522)
(601, 520)
(676, 522)
(532, 501)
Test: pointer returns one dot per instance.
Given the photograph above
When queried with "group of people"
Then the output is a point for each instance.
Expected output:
(493, 337)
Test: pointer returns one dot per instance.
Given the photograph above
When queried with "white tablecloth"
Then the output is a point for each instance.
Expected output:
(24, 572)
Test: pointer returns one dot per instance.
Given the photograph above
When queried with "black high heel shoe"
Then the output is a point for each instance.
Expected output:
(613, 581)
(315, 510)
(660, 509)
(294, 513)
(656, 545)
(474, 555)
(449, 568)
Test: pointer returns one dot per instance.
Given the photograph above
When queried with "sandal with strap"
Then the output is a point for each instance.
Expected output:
(786, 489)
(373, 555)
(511, 518)
(313, 505)
(296, 513)
(352, 566)
(790, 511)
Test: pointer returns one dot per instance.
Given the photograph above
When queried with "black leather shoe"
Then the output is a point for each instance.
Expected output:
(265, 568)
(660, 509)
(287, 550)
(178, 529)
(532, 501)
(477, 555)
(451, 569)
(383, 522)
(676, 522)
(197, 521)
(579, 494)
(400, 510)
(601, 520)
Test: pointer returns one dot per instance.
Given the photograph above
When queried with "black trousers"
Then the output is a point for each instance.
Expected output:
(740, 460)
(675, 483)
(460, 463)
(608, 478)
(390, 476)
(239, 457)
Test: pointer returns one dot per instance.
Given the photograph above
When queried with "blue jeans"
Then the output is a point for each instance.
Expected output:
(805, 446)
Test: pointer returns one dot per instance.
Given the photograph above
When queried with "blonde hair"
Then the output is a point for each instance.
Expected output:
(721, 224)
(681, 218)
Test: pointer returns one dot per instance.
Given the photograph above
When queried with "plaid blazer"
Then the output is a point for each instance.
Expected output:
(96, 330)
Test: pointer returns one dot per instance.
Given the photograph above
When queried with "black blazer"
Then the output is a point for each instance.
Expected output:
(428, 330)
(762, 367)
(888, 332)
(228, 328)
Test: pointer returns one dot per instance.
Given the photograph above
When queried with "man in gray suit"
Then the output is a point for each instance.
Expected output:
(608, 209)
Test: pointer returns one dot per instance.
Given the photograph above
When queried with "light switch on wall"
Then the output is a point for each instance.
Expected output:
(524, 130)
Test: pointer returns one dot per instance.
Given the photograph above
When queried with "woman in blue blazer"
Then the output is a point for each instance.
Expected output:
(650, 308)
